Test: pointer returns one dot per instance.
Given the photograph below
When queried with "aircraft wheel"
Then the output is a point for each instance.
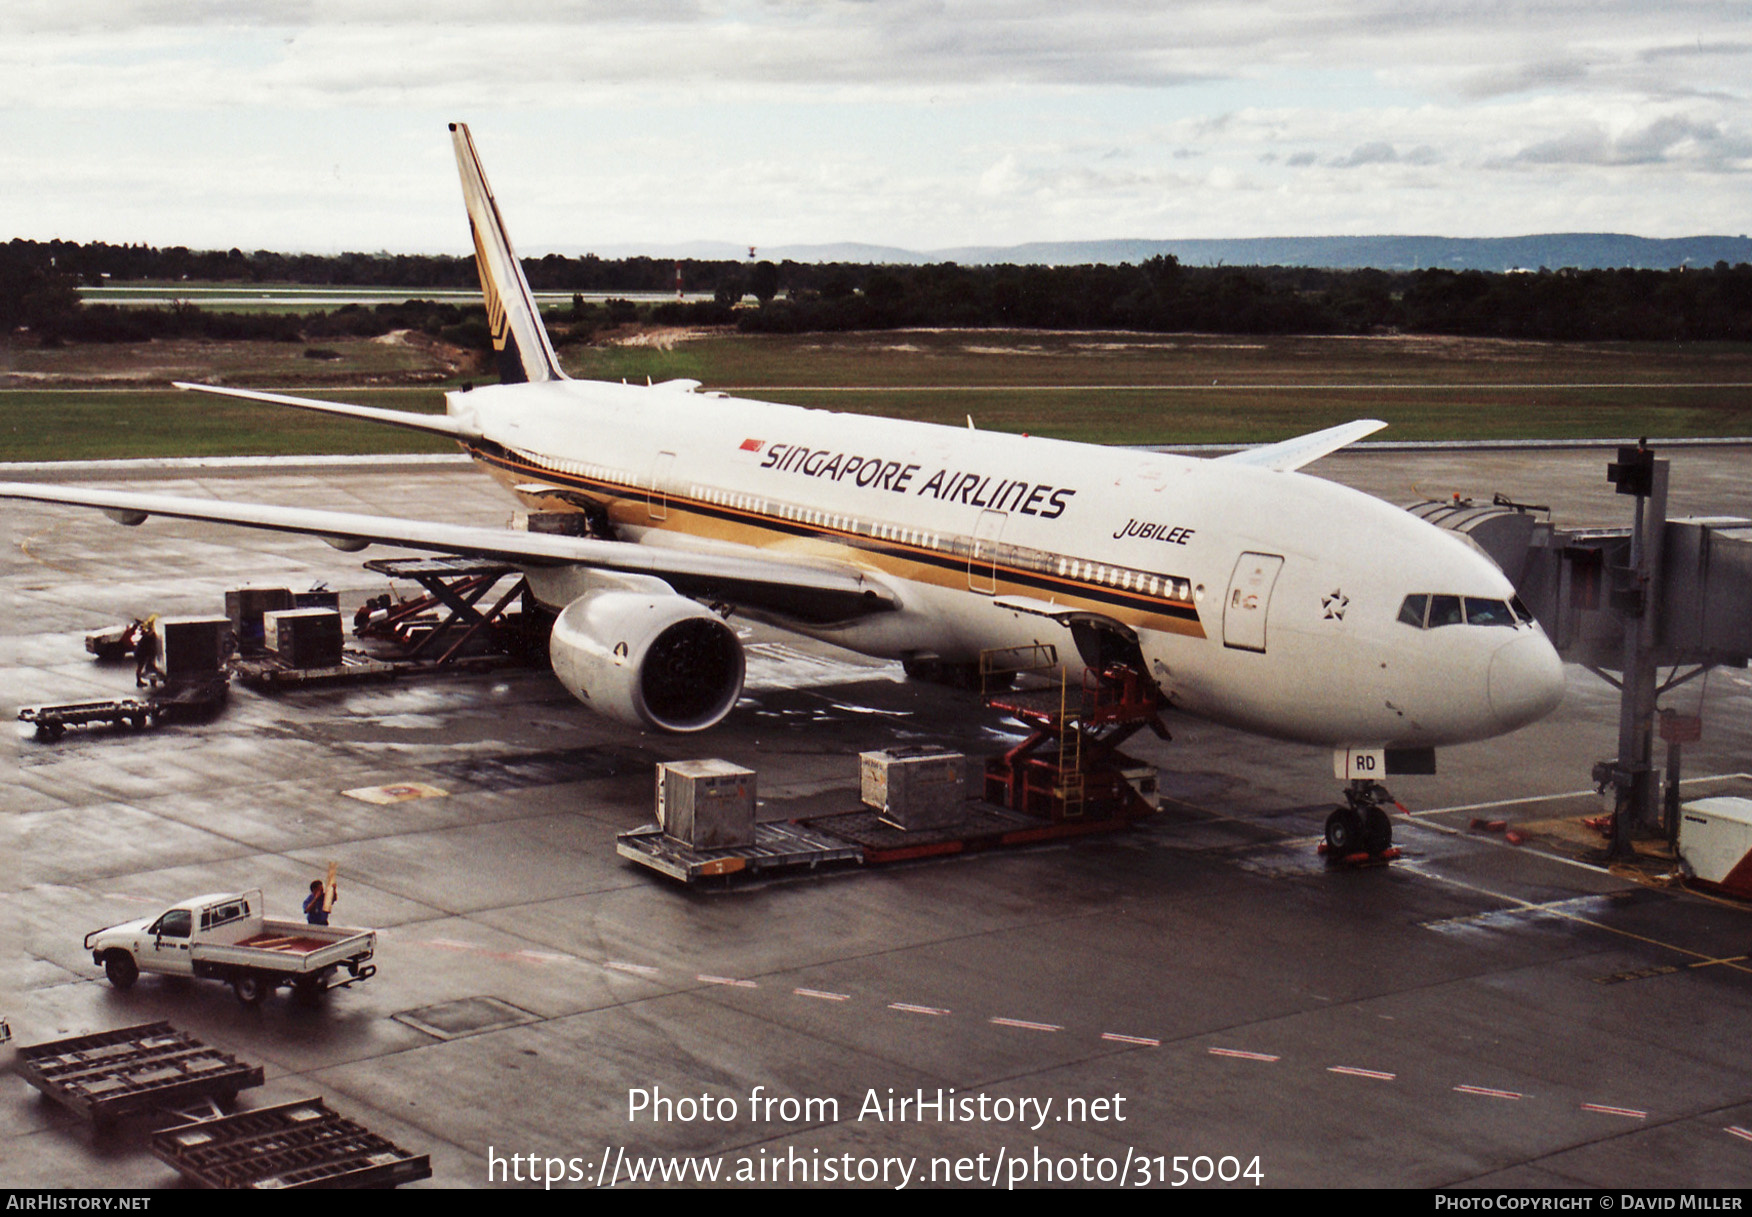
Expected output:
(1344, 832)
(121, 969)
(1377, 830)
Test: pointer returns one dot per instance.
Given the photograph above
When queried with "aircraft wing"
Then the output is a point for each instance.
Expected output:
(812, 589)
(1289, 454)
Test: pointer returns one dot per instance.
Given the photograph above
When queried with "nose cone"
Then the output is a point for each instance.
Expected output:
(1526, 680)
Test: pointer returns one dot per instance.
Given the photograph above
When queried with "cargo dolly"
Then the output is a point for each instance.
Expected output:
(267, 674)
(150, 1070)
(295, 1145)
(860, 837)
(181, 701)
(51, 722)
(914, 805)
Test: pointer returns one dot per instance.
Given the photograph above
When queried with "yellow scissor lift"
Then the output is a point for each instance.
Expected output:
(1068, 769)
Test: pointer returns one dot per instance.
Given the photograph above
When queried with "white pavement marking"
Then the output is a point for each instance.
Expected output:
(822, 994)
(1552, 798)
(1734, 1130)
(1604, 1110)
(1352, 1071)
(909, 1008)
(1489, 1093)
(637, 969)
(1240, 1055)
(1025, 1026)
(1139, 1040)
(726, 980)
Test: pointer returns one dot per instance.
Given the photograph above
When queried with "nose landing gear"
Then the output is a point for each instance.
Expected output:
(1361, 831)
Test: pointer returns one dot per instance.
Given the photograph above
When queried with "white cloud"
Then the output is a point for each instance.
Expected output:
(906, 122)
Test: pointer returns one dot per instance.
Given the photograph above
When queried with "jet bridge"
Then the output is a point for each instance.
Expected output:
(1627, 602)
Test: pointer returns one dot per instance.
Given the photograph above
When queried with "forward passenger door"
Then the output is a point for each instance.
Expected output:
(1249, 601)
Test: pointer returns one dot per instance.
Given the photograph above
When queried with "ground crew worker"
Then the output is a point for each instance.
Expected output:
(314, 912)
(145, 650)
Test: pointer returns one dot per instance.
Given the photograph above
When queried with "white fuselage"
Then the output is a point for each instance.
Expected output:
(1267, 600)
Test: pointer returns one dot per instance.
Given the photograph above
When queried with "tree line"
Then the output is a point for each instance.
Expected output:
(39, 282)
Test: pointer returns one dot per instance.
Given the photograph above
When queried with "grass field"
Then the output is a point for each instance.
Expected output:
(89, 402)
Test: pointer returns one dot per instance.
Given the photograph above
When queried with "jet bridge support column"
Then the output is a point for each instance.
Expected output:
(1636, 595)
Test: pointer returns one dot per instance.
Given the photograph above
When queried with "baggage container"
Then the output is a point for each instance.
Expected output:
(1715, 840)
(245, 607)
(304, 637)
(914, 788)
(706, 804)
(192, 648)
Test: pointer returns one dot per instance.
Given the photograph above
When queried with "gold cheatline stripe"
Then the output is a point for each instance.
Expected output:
(921, 570)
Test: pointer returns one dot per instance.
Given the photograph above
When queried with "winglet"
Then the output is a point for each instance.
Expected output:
(518, 334)
(1289, 454)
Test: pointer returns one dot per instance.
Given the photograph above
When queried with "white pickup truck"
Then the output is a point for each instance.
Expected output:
(225, 937)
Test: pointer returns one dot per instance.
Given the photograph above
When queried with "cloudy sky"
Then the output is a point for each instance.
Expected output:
(320, 124)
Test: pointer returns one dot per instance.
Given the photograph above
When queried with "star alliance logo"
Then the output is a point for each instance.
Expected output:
(1335, 604)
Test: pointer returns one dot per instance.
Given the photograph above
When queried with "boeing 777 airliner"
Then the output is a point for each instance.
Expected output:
(1247, 592)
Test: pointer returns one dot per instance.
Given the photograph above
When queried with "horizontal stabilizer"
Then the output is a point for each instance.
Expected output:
(437, 424)
(1289, 454)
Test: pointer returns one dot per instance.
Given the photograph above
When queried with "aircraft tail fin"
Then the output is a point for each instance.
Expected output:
(525, 354)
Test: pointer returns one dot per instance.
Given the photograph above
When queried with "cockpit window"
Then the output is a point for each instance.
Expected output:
(1445, 610)
(1427, 611)
(1488, 612)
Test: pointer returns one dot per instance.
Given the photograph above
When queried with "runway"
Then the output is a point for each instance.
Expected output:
(1202, 987)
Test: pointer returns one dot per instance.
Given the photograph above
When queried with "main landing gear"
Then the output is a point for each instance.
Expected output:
(1361, 831)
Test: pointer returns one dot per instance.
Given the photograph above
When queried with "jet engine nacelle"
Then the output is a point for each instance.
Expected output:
(653, 659)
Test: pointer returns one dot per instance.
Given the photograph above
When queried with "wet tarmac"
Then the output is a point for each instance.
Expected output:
(1476, 1014)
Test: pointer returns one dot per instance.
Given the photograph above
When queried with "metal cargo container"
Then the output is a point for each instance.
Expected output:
(706, 803)
(304, 637)
(1715, 840)
(192, 647)
(245, 607)
(914, 787)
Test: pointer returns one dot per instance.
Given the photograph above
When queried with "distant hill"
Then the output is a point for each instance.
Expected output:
(1584, 250)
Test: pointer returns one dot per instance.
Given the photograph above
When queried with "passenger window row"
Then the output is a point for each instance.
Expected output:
(1427, 611)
